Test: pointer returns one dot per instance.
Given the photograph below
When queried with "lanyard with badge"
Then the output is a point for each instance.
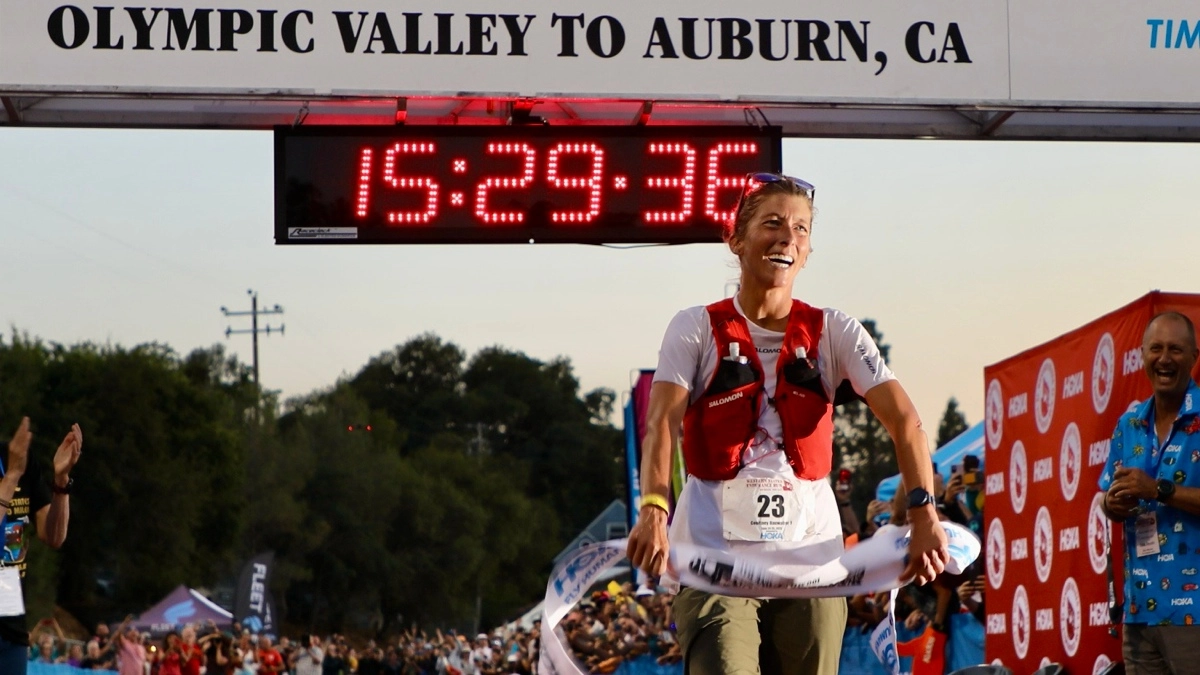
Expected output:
(1146, 525)
(12, 602)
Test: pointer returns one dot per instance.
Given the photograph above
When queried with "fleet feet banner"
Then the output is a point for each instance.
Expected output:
(253, 606)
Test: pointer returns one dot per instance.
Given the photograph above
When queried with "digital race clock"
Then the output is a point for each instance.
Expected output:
(453, 184)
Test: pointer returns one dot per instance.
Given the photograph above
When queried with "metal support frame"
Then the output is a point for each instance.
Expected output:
(795, 118)
(643, 117)
(520, 112)
(10, 108)
(994, 122)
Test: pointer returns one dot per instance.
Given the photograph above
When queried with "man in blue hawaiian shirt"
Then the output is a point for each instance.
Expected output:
(1151, 485)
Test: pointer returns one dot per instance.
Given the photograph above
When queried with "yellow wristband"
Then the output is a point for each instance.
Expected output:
(657, 501)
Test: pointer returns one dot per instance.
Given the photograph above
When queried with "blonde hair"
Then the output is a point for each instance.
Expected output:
(735, 228)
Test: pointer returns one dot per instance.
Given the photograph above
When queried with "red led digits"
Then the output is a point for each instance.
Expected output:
(364, 182)
(593, 182)
(717, 181)
(519, 182)
(685, 182)
(399, 182)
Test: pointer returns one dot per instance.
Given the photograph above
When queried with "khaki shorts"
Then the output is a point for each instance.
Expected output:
(1159, 650)
(721, 635)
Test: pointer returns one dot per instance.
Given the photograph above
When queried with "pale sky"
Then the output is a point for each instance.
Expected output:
(965, 253)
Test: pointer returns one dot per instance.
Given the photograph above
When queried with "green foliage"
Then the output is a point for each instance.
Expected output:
(532, 412)
(861, 443)
(471, 477)
(417, 385)
(953, 423)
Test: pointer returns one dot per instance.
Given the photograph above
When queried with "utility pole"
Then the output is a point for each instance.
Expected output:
(254, 329)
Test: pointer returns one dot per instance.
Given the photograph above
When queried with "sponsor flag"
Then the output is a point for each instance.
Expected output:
(254, 606)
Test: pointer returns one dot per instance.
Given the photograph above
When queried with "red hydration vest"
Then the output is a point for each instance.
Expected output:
(720, 425)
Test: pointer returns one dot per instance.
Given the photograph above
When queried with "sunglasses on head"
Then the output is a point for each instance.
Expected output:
(755, 181)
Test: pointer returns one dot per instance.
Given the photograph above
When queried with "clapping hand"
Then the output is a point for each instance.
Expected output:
(18, 450)
(68, 454)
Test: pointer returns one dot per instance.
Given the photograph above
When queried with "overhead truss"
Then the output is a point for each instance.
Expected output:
(806, 119)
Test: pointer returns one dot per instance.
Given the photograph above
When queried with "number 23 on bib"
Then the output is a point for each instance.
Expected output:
(761, 509)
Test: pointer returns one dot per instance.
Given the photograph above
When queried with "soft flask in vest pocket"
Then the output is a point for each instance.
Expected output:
(715, 428)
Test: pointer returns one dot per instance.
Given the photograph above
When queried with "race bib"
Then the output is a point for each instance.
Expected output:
(762, 509)
(12, 603)
(1147, 534)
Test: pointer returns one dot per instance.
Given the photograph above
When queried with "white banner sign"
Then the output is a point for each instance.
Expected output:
(928, 52)
(871, 566)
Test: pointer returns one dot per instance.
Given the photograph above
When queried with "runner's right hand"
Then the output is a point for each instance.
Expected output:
(648, 548)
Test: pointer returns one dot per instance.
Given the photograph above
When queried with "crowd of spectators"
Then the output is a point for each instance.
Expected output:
(206, 649)
(604, 630)
(924, 610)
(621, 624)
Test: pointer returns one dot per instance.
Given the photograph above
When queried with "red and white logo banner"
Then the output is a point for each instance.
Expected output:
(1050, 413)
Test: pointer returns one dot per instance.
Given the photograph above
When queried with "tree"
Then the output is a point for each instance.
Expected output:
(421, 488)
(953, 423)
(532, 411)
(418, 385)
(861, 443)
(349, 490)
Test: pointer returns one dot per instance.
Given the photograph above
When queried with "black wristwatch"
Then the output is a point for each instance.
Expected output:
(1166, 489)
(64, 490)
(919, 497)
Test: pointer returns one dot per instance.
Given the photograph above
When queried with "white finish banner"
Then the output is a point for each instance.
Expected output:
(698, 49)
(1014, 52)
(869, 567)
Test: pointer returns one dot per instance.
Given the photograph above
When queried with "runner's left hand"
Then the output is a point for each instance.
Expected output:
(928, 551)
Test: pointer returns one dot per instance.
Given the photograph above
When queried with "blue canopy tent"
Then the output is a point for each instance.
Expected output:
(182, 606)
(969, 442)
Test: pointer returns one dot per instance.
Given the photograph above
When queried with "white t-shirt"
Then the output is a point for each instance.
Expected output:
(482, 654)
(308, 661)
(688, 358)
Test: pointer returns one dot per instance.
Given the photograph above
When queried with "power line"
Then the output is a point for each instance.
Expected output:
(254, 330)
